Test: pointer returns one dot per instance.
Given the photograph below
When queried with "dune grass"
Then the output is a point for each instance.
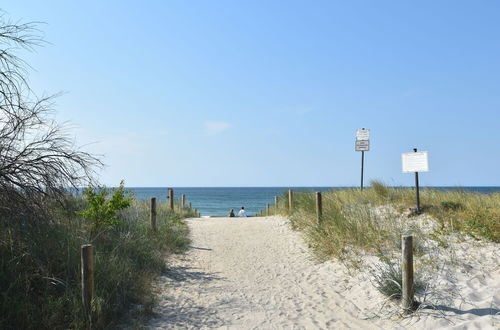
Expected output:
(40, 265)
(374, 219)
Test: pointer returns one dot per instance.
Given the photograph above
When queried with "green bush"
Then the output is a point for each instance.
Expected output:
(102, 208)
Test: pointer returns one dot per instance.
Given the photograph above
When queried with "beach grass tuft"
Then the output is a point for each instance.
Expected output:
(387, 279)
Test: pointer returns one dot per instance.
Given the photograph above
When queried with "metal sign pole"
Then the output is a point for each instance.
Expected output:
(362, 144)
(417, 188)
(362, 167)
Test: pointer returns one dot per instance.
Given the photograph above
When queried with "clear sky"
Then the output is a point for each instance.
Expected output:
(270, 93)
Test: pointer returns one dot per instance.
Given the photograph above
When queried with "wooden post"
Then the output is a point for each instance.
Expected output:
(183, 201)
(319, 207)
(190, 205)
(171, 198)
(407, 268)
(290, 200)
(267, 210)
(276, 203)
(87, 265)
(153, 213)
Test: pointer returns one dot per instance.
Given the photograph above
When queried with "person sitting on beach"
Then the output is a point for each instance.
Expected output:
(231, 213)
(242, 213)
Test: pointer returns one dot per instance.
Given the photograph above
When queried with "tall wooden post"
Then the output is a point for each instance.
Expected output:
(319, 207)
(190, 205)
(407, 268)
(267, 210)
(171, 198)
(183, 201)
(276, 203)
(87, 266)
(290, 200)
(153, 213)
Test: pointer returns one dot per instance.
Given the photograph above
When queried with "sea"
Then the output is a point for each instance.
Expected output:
(218, 201)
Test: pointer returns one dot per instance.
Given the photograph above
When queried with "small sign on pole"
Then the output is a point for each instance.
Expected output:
(363, 134)
(416, 162)
(362, 144)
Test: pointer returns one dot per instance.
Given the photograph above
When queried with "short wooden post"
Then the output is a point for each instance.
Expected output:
(171, 198)
(183, 201)
(407, 268)
(319, 207)
(87, 265)
(153, 213)
(290, 200)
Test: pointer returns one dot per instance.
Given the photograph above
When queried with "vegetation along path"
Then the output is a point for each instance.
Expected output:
(252, 273)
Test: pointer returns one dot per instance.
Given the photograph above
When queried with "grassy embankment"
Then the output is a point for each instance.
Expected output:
(373, 220)
(40, 264)
(356, 223)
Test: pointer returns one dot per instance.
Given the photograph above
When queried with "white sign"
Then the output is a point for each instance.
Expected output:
(415, 162)
(362, 145)
(363, 134)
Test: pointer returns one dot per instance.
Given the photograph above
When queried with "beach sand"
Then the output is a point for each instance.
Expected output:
(256, 273)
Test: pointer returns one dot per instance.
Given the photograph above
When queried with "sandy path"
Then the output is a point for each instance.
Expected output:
(256, 273)
(251, 273)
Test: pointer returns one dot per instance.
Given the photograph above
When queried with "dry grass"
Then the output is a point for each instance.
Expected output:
(373, 220)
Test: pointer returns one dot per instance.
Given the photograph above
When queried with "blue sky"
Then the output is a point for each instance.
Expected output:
(270, 93)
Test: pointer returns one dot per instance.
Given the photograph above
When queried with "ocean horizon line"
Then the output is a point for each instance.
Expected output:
(354, 187)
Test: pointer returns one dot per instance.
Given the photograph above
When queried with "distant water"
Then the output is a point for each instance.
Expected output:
(218, 201)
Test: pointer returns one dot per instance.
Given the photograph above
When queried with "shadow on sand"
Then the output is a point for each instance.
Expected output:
(199, 248)
(181, 274)
(187, 313)
(474, 311)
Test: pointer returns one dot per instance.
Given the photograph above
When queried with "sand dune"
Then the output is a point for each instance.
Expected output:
(256, 273)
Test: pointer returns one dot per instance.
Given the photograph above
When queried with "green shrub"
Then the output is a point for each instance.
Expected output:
(102, 208)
